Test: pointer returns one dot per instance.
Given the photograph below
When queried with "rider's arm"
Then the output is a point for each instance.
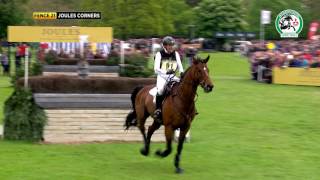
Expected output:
(179, 62)
(157, 63)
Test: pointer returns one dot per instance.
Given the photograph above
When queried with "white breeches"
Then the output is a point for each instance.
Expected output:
(162, 82)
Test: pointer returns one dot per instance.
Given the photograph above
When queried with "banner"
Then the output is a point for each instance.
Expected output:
(296, 76)
(265, 17)
(58, 34)
(313, 30)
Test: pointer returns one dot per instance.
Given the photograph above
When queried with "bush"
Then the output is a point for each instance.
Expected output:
(24, 120)
(135, 71)
(35, 70)
(137, 60)
(136, 65)
(50, 57)
(113, 61)
(74, 61)
(93, 85)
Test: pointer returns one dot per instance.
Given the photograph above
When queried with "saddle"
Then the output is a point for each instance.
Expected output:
(168, 90)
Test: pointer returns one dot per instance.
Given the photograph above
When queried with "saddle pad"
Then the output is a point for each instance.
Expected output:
(153, 91)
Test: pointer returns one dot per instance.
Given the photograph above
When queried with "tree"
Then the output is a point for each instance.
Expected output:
(132, 18)
(192, 3)
(183, 17)
(52, 6)
(313, 7)
(275, 6)
(10, 14)
(219, 15)
(142, 18)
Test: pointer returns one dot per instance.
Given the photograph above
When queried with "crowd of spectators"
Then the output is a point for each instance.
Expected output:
(285, 53)
(19, 55)
(144, 46)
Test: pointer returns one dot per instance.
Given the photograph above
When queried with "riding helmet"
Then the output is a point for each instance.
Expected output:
(168, 40)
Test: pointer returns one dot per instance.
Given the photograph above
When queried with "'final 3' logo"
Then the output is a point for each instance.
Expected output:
(289, 23)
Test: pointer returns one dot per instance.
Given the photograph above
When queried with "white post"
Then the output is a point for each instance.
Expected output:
(26, 68)
(152, 48)
(265, 18)
(68, 48)
(122, 52)
(83, 39)
(261, 33)
(54, 47)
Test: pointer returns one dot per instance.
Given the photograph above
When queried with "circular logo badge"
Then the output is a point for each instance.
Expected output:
(289, 23)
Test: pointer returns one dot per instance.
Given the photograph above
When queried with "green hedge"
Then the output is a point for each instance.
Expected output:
(24, 120)
(35, 70)
(136, 65)
(135, 71)
(50, 57)
(113, 59)
(90, 85)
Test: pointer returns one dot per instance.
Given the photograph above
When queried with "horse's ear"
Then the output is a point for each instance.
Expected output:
(206, 59)
(195, 61)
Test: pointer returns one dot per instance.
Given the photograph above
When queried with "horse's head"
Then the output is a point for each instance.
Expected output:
(201, 73)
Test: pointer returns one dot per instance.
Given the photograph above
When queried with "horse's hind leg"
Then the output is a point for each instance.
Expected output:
(169, 135)
(155, 125)
(144, 151)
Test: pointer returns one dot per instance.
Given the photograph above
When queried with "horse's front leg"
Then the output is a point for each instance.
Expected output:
(169, 135)
(182, 136)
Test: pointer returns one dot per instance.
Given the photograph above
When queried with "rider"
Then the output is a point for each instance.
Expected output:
(167, 61)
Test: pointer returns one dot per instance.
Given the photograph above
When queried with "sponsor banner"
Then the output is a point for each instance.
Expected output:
(58, 34)
(297, 76)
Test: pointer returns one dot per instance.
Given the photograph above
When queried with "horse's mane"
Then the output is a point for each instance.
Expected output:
(190, 67)
(185, 73)
(176, 86)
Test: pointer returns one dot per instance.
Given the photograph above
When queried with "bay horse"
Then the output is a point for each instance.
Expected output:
(178, 108)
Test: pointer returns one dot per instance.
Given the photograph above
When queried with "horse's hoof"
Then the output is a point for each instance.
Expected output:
(179, 170)
(159, 153)
(144, 152)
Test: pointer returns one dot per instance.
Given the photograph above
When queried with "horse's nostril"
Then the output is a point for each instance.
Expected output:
(208, 88)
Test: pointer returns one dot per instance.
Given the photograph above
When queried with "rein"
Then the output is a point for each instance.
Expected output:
(185, 82)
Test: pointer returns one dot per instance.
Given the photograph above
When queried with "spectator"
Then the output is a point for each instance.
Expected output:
(295, 61)
(316, 62)
(41, 55)
(18, 59)
(190, 53)
(5, 63)
(22, 49)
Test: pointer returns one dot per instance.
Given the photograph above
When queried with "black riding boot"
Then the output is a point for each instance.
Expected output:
(157, 113)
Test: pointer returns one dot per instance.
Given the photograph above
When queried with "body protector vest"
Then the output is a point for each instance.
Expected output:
(168, 60)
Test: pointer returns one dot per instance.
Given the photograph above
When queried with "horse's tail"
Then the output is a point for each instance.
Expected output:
(131, 117)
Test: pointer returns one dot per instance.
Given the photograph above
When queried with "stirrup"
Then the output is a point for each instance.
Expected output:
(157, 116)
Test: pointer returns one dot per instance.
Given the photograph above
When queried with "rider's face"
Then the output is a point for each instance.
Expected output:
(169, 48)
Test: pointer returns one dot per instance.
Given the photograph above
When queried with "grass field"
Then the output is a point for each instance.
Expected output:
(245, 130)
